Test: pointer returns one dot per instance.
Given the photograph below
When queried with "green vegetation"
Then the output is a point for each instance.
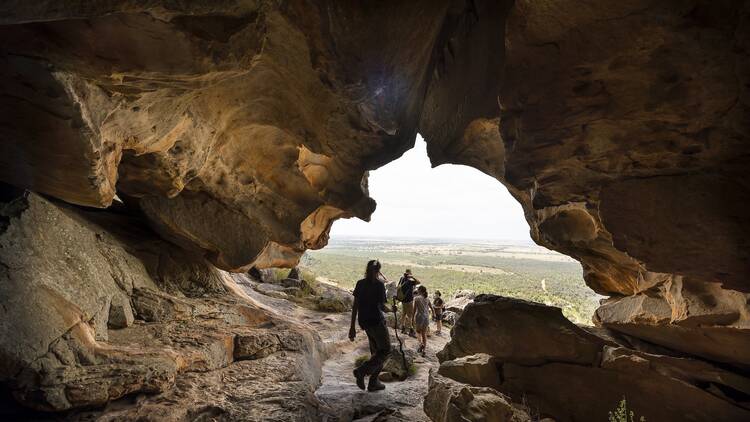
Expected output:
(364, 358)
(361, 359)
(550, 282)
(621, 414)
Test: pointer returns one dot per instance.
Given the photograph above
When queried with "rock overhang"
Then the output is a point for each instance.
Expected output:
(242, 131)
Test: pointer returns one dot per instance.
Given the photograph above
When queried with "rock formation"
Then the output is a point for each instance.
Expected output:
(236, 132)
(531, 353)
(95, 307)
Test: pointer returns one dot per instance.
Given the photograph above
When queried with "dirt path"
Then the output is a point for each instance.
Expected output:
(340, 399)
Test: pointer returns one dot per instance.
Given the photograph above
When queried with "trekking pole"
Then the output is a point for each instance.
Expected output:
(400, 344)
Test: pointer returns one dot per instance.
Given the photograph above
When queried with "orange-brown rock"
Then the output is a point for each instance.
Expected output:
(241, 130)
(492, 346)
(92, 314)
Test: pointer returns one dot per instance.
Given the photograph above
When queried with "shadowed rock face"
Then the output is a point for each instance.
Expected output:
(239, 130)
(530, 352)
(242, 130)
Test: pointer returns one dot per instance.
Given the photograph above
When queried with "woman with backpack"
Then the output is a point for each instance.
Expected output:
(405, 295)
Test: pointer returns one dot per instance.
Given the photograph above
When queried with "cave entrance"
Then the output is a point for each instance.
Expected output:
(457, 229)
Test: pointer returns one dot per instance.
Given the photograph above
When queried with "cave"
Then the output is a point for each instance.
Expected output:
(154, 153)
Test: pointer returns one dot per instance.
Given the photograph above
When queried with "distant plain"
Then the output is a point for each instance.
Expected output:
(508, 268)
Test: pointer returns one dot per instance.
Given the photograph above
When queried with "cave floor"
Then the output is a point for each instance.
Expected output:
(339, 398)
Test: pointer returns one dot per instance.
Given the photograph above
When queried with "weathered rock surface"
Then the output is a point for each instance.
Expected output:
(58, 354)
(688, 316)
(240, 130)
(397, 367)
(534, 355)
(451, 401)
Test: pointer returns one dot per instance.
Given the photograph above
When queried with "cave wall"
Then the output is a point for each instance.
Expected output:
(240, 129)
(95, 307)
(622, 129)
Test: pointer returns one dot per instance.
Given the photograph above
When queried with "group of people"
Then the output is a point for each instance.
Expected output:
(416, 309)
(370, 301)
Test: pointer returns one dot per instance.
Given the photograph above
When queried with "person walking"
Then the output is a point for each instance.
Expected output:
(406, 296)
(422, 309)
(369, 304)
(437, 307)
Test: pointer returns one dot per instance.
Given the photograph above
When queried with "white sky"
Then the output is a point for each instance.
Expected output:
(449, 201)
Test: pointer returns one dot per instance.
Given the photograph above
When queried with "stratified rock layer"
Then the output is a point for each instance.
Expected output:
(89, 315)
(533, 354)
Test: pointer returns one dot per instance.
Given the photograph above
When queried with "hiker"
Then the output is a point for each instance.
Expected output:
(369, 303)
(437, 306)
(422, 309)
(405, 294)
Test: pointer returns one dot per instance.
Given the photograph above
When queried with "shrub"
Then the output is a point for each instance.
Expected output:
(361, 359)
(621, 413)
(331, 304)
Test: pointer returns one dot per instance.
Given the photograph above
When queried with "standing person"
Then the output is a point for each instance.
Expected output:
(422, 308)
(437, 307)
(369, 303)
(406, 296)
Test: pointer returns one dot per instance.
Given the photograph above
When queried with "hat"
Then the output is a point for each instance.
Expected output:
(407, 271)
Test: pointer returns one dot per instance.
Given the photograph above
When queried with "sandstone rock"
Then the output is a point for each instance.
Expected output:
(531, 332)
(621, 128)
(153, 306)
(480, 370)
(66, 270)
(333, 299)
(460, 299)
(546, 376)
(255, 345)
(449, 401)
(394, 369)
(688, 316)
(120, 313)
(64, 357)
(450, 317)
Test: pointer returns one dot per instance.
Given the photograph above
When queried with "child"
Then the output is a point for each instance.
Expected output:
(437, 307)
(422, 308)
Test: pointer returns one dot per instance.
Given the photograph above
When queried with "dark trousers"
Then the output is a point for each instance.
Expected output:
(380, 347)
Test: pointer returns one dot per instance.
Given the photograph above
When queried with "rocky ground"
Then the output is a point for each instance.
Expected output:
(339, 399)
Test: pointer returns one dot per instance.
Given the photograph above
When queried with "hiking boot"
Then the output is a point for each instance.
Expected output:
(412, 333)
(375, 384)
(360, 378)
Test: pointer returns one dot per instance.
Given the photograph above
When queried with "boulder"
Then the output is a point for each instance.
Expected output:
(451, 401)
(512, 328)
(333, 299)
(394, 369)
(120, 313)
(450, 317)
(538, 357)
(685, 315)
(480, 370)
(459, 300)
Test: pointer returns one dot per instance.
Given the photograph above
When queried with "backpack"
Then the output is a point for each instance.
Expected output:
(401, 289)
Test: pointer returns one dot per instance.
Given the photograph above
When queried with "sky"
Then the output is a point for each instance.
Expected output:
(449, 201)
